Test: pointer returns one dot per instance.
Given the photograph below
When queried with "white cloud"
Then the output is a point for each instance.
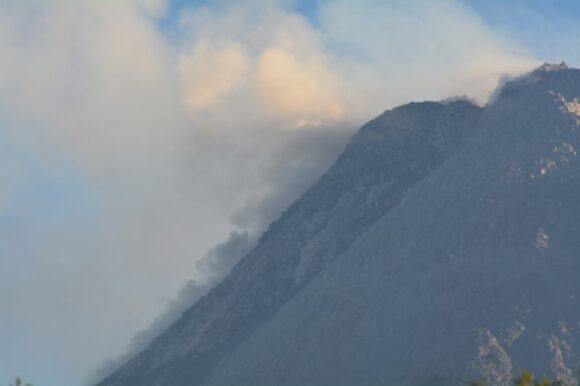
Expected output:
(293, 89)
(210, 73)
(154, 8)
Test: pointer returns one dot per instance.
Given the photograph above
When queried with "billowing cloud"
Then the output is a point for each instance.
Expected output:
(210, 74)
(127, 153)
(275, 66)
(294, 89)
(155, 8)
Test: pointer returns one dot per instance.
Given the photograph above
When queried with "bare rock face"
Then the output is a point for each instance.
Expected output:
(441, 247)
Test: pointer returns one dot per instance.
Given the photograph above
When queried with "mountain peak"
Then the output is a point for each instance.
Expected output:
(549, 67)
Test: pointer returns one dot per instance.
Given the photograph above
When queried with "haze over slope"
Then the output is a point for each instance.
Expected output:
(136, 135)
(440, 247)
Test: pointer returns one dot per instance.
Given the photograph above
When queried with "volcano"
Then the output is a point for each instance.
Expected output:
(442, 246)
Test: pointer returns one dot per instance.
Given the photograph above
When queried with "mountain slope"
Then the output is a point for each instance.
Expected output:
(387, 156)
(442, 246)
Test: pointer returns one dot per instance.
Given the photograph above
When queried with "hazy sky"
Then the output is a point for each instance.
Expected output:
(136, 135)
